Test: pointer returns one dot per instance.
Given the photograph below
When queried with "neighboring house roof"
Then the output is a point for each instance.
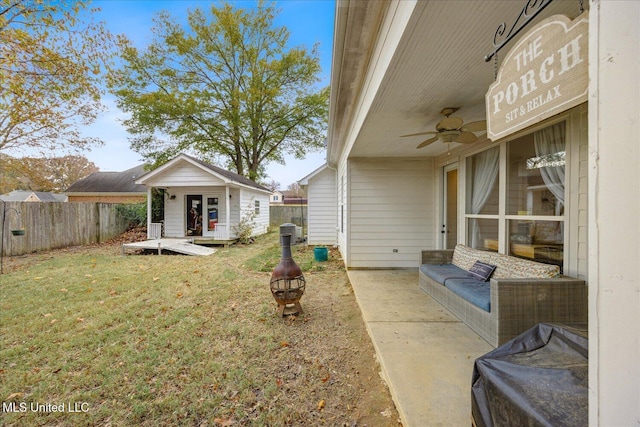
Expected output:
(295, 201)
(33, 196)
(225, 175)
(110, 182)
(288, 194)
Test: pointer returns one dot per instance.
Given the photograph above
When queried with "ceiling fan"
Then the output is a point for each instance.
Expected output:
(452, 129)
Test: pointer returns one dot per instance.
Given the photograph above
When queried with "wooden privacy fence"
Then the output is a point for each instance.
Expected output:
(53, 225)
(281, 214)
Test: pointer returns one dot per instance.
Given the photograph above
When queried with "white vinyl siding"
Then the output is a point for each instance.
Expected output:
(322, 209)
(580, 269)
(247, 206)
(185, 175)
(174, 215)
(391, 212)
(262, 220)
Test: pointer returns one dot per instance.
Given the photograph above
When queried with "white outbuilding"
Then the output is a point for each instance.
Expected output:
(320, 186)
(205, 202)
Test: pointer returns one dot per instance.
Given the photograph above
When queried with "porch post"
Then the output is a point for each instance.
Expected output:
(227, 209)
(148, 212)
(614, 203)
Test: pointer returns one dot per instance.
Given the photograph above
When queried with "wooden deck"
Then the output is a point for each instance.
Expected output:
(182, 246)
(199, 240)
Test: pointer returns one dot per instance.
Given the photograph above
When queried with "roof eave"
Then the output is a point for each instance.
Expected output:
(340, 30)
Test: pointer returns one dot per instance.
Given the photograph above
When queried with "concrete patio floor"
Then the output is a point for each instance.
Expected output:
(426, 354)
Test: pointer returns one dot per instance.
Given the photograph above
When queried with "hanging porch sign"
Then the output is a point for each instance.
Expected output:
(544, 74)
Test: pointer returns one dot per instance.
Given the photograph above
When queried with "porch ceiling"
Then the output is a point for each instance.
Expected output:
(439, 63)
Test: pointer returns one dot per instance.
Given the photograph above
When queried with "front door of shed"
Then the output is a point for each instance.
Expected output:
(194, 215)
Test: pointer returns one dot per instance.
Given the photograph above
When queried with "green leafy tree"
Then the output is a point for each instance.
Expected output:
(50, 66)
(227, 89)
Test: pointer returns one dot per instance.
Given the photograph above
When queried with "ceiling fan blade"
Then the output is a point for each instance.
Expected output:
(450, 123)
(475, 126)
(466, 138)
(419, 133)
(427, 142)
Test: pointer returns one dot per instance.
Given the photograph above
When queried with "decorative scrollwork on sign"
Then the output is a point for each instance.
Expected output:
(529, 12)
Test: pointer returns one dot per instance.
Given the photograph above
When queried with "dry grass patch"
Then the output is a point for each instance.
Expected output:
(177, 340)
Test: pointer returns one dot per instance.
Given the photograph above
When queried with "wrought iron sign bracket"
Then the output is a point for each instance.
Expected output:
(528, 12)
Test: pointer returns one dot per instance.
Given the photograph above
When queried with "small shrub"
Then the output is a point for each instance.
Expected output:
(244, 229)
(134, 214)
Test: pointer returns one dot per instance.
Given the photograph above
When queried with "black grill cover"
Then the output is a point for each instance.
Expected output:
(539, 378)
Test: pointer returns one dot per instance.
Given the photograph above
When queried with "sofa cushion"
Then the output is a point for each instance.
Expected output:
(472, 290)
(464, 257)
(510, 267)
(481, 271)
(507, 267)
(441, 272)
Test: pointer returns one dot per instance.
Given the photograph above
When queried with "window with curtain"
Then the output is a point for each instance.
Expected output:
(536, 195)
(482, 199)
(536, 178)
(531, 224)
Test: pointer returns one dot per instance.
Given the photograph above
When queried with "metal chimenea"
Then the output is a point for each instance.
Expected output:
(287, 281)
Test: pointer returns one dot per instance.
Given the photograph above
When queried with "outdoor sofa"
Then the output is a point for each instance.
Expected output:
(519, 294)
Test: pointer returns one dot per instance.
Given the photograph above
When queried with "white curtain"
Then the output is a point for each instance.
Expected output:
(550, 143)
(485, 172)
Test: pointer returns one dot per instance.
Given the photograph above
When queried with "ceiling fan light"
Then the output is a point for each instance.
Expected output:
(449, 136)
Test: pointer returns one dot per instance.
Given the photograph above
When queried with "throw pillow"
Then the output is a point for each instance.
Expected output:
(481, 271)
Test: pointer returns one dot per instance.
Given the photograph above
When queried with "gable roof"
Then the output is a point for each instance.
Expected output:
(110, 182)
(226, 176)
(305, 181)
(23, 195)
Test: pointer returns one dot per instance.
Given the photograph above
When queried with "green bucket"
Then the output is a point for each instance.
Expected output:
(320, 253)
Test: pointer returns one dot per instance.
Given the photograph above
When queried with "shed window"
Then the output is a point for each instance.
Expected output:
(257, 207)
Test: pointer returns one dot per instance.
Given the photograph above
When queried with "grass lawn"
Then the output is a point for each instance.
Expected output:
(90, 337)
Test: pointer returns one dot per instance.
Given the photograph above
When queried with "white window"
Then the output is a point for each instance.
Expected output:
(482, 198)
(527, 218)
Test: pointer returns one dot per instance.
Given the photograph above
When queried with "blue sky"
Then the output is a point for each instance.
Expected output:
(308, 21)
